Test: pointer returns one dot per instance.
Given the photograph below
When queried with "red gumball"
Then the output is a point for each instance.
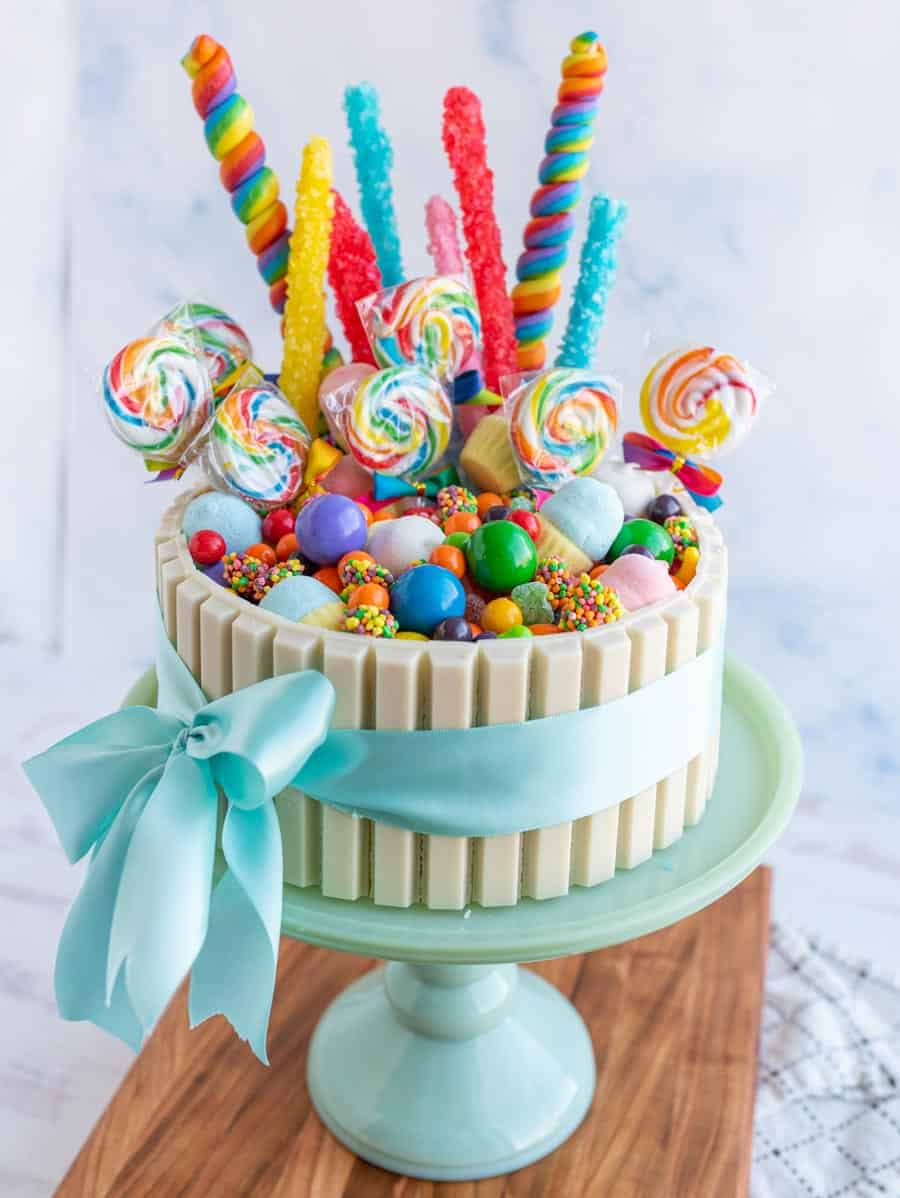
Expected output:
(527, 520)
(207, 547)
(277, 524)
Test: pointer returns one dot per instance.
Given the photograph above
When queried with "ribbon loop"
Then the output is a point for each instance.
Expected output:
(701, 482)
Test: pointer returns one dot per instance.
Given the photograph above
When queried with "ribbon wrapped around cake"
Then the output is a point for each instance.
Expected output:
(141, 791)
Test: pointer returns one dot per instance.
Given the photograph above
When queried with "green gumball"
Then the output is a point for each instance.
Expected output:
(650, 536)
(458, 539)
(516, 631)
(501, 555)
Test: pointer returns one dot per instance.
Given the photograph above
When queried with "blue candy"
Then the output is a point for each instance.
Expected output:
(589, 513)
(424, 596)
(225, 514)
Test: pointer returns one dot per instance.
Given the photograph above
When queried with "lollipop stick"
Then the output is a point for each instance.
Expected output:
(596, 275)
(304, 310)
(560, 173)
(353, 273)
(443, 237)
(373, 156)
(464, 142)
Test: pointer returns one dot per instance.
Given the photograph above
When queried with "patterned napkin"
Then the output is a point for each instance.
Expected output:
(828, 1105)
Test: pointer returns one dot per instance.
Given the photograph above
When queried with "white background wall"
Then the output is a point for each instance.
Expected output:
(755, 143)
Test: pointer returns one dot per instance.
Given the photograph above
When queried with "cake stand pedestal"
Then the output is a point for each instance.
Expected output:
(450, 1063)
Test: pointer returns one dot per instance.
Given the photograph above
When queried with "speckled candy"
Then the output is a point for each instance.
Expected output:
(643, 532)
(225, 514)
(588, 513)
(533, 601)
(368, 620)
(501, 556)
(329, 527)
(305, 601)
(424, 596)
(587, 605)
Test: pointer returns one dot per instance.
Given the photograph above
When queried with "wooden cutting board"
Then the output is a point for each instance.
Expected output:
(675, 1023)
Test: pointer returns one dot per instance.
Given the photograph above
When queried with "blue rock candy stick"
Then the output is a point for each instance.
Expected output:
(596, 275)
(374, 156)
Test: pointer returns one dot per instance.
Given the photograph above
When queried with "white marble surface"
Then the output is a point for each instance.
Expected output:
(753, 144)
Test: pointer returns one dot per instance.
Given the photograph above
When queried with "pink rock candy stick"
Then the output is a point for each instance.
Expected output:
(443, 237)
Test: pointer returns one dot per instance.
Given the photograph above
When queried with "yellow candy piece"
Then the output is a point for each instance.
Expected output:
(500, 615)
(410, 636)
(688, 568)
(319, 460)
(304, 310)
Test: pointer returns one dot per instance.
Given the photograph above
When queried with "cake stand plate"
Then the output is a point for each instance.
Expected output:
(452, 1063)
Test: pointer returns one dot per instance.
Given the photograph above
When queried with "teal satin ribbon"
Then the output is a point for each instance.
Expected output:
(139, 790)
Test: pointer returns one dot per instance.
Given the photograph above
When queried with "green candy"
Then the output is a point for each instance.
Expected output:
(516, 631)
(501, 555)
(532, 600)
(643, 532)
(521, 503)
(459, 540)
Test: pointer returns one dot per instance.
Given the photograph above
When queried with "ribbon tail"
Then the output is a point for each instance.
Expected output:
(80, 979)
(234, 975)
(162, 907)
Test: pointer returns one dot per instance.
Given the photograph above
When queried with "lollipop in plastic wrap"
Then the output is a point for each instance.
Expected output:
(399, 422)
(224, 345)
(258, 446)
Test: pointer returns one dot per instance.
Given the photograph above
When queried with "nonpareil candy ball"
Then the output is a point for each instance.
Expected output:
(329, 527)
(424, 596)
(501, 555)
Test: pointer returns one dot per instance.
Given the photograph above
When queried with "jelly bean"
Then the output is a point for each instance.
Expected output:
(501, 556)
(527, 520)
(688, 567)
(287, 547)
(277, 524)
(450, 557)
(662, 507)
(207, 547)
(500, 615)
(643, 532)
(263, 553)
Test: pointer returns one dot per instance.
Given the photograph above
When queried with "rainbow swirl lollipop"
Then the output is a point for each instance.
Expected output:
(399, 422)
(158, 398)
(699, 402)
(432, 322)
(258, 446)
(222, 341)
(560, 423)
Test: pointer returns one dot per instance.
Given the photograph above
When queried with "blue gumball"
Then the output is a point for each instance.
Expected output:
(227, 515)
(330, 526)
(424, 596)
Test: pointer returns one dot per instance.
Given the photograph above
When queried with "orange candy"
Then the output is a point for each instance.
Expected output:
(370, 593)
(488, 499)
(358, 555)
(450, 558)
(462, 522)
(330, 578)
(543, 629)
(367, 512)
(263, 553)
(287, 547)
(384, 513)
(477, 630)
(598, 570)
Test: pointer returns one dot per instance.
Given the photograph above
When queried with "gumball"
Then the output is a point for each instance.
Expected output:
(462, 522)
(640, 550)
(424, 596)
(646, 533)
(454, 628)
(499, 615)
(528, 521)
(487, 500)
(662, 507)
(501, 555)
(277, 525)
(206, 547)
(287, 547)
(329, 527)
(227, 515)
(450, 558)
(516, 631)
(330, 578)
(370, 594)
(410, 636)
(459, 540)
(486, 636)
(263, 553)
(396, 544)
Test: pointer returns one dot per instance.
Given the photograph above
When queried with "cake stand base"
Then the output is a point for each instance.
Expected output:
(451, 1072)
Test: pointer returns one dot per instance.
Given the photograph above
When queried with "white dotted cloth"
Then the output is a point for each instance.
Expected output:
(828, 1105)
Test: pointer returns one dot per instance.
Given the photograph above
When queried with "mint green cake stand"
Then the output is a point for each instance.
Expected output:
(451, 1063)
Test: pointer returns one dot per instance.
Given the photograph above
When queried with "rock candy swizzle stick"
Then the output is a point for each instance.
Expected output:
(373, 157)
(353, 274)
(596, 275)
(548, 232)
(443, 238)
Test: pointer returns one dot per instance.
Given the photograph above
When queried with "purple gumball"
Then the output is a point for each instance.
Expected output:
(328, 527)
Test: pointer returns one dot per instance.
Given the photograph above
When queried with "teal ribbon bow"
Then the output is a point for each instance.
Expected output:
(140, 791)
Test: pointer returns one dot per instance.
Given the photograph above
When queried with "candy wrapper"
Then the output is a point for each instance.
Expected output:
(258, 444)
(700, 402)
(396, 421)
(158, 398)
(561, 423)
(225, 346)
(431, 322)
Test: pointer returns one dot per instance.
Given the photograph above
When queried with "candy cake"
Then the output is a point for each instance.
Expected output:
(434, 630)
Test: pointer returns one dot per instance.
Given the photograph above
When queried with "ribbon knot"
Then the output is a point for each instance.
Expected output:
(140, 791)
(701, 482)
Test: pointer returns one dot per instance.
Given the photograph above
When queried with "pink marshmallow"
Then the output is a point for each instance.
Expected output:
(638, 580)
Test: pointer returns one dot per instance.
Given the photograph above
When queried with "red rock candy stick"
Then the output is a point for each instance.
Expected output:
(353, 273)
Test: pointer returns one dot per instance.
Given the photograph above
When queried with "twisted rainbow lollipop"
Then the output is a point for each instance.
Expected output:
(158, 398)
(224, 344)
(547, 234)
(258, 446)
(560, 425)
(432, 322)
(399, 422)
(699, 402)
